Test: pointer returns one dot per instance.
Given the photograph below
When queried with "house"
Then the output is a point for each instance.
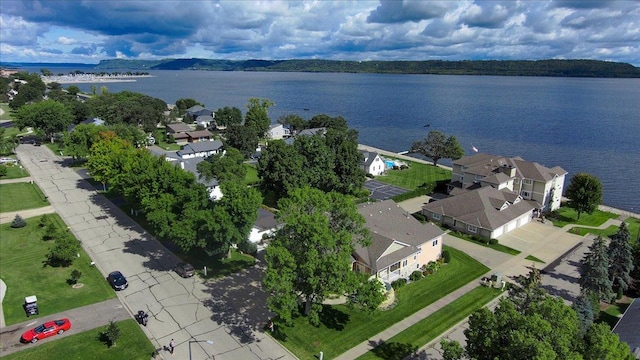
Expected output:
(627, 327)
(400, 244)
(200, 149)
(372, 163)
(307, 132)
(277, 132)
(198, 136)
(485, 211)
(212, 185)
(204, 120)
(178, 128)
(530, 180)
(265, 224)
(89, 121)
(197, 110)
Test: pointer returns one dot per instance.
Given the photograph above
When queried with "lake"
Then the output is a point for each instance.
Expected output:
(581, 124)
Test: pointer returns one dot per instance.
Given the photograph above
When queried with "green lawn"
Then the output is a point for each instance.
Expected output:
(416, 175)
(7, 112)
(132, 345)
(22, 258)
(14, 172)
(613, 312)
(433, 326)
(497, 247)
(533, 258)
(343, 328)
(252, 175)
(633, 225)
(21, 196)
(566, 215)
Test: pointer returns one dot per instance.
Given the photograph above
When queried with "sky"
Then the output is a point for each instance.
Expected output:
(87, 31)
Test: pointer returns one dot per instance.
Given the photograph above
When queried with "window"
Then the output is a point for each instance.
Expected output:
(415, 257)
(525, 194)
(404, 263)
(528, 181)
(479, 177)
(473, 229)
(436, 216)
(419, 250)
(395, 266)
(435, 242)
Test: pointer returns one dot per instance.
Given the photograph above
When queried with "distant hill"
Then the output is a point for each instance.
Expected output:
(556, 68)
(553, 68)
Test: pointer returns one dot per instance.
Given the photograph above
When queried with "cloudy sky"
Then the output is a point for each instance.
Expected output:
(88, 31)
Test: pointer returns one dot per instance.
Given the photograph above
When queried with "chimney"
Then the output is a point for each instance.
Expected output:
(182, 164)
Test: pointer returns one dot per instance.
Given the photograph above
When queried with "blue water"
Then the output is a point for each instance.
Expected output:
(580, 124)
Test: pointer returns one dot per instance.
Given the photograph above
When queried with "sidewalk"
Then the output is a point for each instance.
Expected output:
(82, 319)
(7, 217)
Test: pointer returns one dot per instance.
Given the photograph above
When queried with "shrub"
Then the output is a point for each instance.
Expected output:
(3, 170)
(248, 247)
(44, 220)
(433, 267)
(75, 276)
(446, 255)
(398, 284)
(18, 222)
(64, 251)
(111, 334)
(419, 216)
(370, 176)
(416, 275)
(493, 241)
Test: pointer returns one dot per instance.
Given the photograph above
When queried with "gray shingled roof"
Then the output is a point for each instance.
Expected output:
(389, 223)
(266, 220)
(179, 127)
(479, 207)
(199, 134)
(486, 165)
(368, 157)
(628, 327)
(200, 146)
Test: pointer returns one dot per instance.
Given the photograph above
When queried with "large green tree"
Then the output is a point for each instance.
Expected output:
(185, 103)
(243, 138)
(79, 141)
(48, 116)
(257, 115)
(280, 168)
(594, 271)
(602, 344)
(107, 157)
(310, 256)
(224, 167)
(228, 116)
(293, 122)
(584, 193)
(438, 146)
(620, 259)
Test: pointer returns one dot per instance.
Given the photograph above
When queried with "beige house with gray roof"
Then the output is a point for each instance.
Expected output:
(530, 180)
(400, 244)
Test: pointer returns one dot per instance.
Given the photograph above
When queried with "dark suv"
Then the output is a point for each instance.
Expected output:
(117, 280)
(185, 270)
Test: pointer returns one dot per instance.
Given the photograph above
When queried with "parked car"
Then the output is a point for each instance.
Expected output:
(117, 280)
(45, 330)
(185, 270)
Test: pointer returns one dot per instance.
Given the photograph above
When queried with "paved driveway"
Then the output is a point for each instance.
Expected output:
(230, 312)
(382, 191)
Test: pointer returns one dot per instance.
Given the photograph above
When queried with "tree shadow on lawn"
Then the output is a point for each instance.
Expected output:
(333, 318)
(392, 350)
(240, 302)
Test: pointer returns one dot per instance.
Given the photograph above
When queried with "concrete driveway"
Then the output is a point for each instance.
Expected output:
(382, 191)
(230, 313)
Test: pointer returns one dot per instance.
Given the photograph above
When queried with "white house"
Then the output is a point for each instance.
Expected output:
(372, 163)
(277, 132)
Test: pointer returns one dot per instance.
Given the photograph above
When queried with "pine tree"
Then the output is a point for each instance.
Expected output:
(620, 259)
(594, 271)
(585, 310)
(18, 222)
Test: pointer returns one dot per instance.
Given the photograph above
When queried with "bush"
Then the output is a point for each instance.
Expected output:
(111, 334)
(493, 241)
(416, 275)
(44, 220)
(248, 247)
(75, 276)
(446, 255)
(3, 170)
(64, 251)
(398, 284)
(18, 222)
(419, 216)
(370, 176)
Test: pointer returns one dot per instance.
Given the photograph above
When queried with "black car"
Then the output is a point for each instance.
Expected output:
(185, 270)
(117, 280)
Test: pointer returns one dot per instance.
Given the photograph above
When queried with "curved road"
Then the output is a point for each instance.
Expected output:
(231, 311)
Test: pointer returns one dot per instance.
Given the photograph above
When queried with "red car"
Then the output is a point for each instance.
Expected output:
(45, 330)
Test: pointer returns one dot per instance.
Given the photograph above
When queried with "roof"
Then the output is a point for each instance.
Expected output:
(191, 165)
(204, 118)
(392, 227)
(199, 134)
(266, 220)
(202, 146)
(487, 165)
(179, 127)
(627, 327)
(313, 131)
(482, 207)
(369, 157)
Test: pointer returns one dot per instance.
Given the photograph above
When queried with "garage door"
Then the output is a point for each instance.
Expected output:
(499, 231)
(512, 225)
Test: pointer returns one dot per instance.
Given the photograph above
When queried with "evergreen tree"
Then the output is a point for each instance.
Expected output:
(18, 222)
(594, 271)
(620, 259)
(583, 306)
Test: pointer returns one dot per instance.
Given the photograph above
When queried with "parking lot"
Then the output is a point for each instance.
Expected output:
(382, 191)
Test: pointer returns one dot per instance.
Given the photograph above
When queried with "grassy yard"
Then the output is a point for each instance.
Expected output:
(533, 258)
(496, 247)
(132, 345)
(566, 215)
(14, 172)
(433, 326)
(252, 175)
(611, 313)
(416, 175)
(21, 196)
(22, 263)
(7, 112)
(342, 328)
(633, 225)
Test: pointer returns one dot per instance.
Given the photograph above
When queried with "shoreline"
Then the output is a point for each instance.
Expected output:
(402, 155)
(91, 78)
